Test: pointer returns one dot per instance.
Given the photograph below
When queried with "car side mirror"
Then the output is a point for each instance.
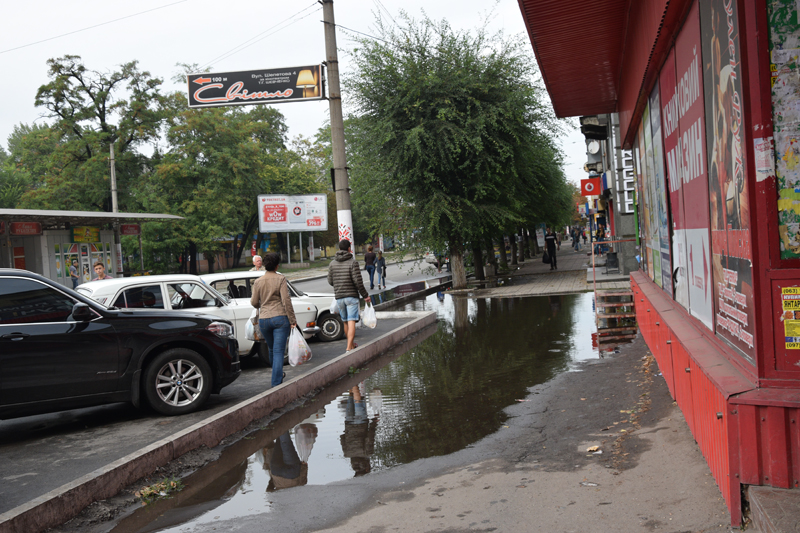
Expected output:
(81, 312)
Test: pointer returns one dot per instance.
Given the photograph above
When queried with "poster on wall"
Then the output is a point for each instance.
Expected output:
(731, 258)
(647, 257)
(660, 191)
(683, 120)
(651, 197)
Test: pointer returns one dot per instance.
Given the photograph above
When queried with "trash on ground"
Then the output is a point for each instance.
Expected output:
(592, 448)
(589, 484)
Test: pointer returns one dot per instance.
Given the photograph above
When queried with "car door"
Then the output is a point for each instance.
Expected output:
(44, 353)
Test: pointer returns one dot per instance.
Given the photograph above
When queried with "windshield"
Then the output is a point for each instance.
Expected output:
(295, 289)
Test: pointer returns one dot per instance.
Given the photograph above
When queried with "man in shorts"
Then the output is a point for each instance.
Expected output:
(345, 276)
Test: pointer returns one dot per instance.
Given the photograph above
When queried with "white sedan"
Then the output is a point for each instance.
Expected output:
(239, 285)
(182, 292)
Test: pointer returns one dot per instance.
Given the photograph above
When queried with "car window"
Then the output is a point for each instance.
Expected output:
(146, 297)
(293, 292)
(236, 288)
(25, 301)
(189, 296)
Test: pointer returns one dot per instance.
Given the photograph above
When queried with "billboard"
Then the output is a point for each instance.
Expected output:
(660, 191)
(279, 212)
(264, 86)
(731, 257)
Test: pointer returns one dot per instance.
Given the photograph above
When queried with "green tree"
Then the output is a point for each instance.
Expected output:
(452, 120)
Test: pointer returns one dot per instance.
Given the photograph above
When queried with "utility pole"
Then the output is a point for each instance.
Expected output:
(115, 209)
(344, 215)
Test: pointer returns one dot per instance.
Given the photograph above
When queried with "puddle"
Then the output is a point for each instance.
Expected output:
(405, 289)
(429, 398)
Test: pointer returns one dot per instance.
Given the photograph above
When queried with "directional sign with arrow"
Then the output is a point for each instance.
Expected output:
(256, 86)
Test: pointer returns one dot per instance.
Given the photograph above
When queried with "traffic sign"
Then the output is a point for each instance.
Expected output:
(266, 86)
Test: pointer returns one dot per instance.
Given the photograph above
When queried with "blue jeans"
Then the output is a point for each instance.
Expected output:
(378, 271)
(371, 271)
(276, 332)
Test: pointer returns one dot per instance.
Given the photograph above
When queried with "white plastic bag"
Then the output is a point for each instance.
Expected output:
(369, 319)
(249, 331)
(299, 352)
(305, 435)
(334, 307)
(252, 331)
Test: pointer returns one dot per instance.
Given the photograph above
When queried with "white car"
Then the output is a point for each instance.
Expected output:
(241, 283)
(182, 292)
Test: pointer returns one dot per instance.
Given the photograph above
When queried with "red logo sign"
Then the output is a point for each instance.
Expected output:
(129, 229)
(25, 228)
(590, 187)
(297, 211)
(316, 221)
(274, 212)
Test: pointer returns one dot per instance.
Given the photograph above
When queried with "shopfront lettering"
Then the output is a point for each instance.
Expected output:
(686, 162)
(686, 94)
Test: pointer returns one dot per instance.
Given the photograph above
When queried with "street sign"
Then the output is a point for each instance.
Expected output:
(265, 86)
(130, 229)
(590, 187)
(278, 212)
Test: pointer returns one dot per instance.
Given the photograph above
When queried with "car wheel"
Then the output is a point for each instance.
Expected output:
(177, 382)
(331, 328)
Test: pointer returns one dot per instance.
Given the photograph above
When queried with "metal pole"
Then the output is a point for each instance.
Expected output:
(115, 209)
(300, 237)
(288, 249)
(141, 255)
(344, 215)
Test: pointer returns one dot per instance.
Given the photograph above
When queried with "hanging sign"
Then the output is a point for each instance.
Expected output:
(130, 229)
(264, 86)
(590, 187)
(85, 234)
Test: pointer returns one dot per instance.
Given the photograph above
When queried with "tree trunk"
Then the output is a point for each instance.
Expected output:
(491, 259)
(457, 263)
(503, 253)
(521, 247)
(477, 260)
(192, 258)
(535, 244)
(513, 239)
(527, 240)
(249, 227)
(211, 258)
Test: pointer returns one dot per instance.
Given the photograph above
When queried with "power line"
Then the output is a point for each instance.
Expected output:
(90, 27)
(253, 40)
(364, 34)
(379, 3)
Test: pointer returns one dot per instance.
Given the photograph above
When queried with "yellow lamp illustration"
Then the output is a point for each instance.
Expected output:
(306, 80)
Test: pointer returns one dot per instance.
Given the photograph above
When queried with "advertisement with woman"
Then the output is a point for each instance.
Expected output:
(728, 196)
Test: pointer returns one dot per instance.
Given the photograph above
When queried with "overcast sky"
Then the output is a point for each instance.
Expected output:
(161, 33)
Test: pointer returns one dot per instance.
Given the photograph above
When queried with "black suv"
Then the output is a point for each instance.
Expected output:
(60, 350)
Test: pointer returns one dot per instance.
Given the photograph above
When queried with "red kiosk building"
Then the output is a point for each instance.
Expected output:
(708, 97)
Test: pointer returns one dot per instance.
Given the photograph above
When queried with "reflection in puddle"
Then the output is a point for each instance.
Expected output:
(437, 397)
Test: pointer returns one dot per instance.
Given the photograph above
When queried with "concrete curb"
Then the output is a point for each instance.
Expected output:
(65, 502)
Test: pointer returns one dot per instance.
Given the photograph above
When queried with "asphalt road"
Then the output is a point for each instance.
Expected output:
(41, 453)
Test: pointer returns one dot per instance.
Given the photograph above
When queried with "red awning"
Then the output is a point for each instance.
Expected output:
(579, 46)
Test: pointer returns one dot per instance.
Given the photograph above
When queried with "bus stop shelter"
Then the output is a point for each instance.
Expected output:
(48, 241)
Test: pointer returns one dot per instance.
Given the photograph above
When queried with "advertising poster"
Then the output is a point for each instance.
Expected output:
(647, 256)
(683, 120)
(651, 195)
(660, 191)
(279, 212)
(728, 198)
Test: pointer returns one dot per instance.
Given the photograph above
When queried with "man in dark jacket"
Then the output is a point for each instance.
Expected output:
(345, 276)
(550, 242)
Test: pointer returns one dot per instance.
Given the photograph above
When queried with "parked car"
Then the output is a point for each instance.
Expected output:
(241, 283)
(62, 350)
(173, 292)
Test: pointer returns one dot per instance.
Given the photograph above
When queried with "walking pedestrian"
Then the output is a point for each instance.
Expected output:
(583, 234)
(344, 275)
(550, 242)
(73, 274)
(380, 269)
(257, 264)
(275, 313)
(369, 263)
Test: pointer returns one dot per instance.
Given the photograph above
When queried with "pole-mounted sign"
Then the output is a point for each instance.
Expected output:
(265, 86)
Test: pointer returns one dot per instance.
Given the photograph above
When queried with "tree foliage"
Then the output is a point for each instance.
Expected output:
(452, 133)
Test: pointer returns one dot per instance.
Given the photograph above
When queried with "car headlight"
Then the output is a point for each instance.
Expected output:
(220, 329)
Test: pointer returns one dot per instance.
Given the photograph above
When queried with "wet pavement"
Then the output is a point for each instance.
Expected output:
(436, 398)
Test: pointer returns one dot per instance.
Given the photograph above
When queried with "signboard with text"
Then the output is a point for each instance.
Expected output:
(130, 229)
(264, 86)
(21, 229)
(279, 212)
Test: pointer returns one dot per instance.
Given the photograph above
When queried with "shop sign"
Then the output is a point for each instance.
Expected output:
(24, 229)
(85, 234)
(130, 229)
